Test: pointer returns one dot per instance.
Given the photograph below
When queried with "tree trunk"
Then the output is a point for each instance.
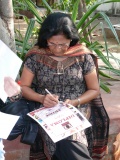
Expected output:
(7, 24)
(50, 2)
(81, 10)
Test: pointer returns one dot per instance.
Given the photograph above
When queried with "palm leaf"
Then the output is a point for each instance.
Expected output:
(27, 35)
(32, 8)
(75, 10)
(107, 20)
(91, 10)
(106, 75)
(113, 70)
(47, 6)
(90, 21)
(103, 58)
(104, 87)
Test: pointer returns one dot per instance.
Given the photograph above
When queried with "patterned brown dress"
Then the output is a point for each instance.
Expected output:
(64, 78)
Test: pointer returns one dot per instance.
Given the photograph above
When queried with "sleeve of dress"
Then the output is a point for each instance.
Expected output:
(88, 65)
(31, 63)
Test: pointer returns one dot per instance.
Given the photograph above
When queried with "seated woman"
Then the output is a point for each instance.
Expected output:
(66, 68)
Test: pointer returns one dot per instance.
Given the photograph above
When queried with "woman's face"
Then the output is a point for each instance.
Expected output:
(58, 44)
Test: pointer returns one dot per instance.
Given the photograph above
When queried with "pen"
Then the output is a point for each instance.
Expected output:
(48, 92)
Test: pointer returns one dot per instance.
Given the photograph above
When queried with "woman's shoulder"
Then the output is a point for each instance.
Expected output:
(36, 50)
(84, 57)
(31, 57)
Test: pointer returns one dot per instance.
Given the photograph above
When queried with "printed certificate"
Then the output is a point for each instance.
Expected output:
(60, 121)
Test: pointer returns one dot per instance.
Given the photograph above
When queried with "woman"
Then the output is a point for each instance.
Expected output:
(66, 68)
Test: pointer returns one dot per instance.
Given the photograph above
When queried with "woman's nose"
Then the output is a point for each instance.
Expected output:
(58, 49)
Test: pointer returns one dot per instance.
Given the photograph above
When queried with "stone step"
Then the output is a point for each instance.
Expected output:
(16, 150)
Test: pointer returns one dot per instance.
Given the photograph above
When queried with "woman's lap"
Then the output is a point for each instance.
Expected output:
(69, 150)
(66, 149)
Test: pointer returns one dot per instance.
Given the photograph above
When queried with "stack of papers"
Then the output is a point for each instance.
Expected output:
(10, 64)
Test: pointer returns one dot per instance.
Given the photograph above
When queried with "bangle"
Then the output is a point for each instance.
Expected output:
(16, 97)
(78, 103)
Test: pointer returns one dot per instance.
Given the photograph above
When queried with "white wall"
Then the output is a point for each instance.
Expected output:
(109, 6)
(105, 7)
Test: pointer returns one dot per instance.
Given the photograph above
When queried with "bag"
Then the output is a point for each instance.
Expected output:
(2, 104)
(25, 126)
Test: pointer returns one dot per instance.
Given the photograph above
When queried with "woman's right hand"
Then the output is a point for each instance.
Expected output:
(50, 100)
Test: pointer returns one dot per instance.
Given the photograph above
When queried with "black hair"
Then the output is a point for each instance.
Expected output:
(57, 23)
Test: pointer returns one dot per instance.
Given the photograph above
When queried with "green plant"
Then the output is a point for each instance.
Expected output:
(94, 46)
(66, 5)
(17, 6)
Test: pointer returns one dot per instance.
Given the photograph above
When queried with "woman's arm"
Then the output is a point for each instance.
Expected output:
(26, 81)
(92, 90)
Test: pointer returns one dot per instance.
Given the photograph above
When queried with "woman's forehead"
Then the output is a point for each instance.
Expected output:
(59, 38)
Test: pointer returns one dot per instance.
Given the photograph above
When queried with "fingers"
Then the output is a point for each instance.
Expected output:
(50, 101)
(69, 101)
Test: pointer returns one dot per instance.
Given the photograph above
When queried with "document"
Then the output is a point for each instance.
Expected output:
(7, 123)
(10, 64)
(60, 121)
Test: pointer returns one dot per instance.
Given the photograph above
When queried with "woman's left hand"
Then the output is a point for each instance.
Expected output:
(72, 102)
